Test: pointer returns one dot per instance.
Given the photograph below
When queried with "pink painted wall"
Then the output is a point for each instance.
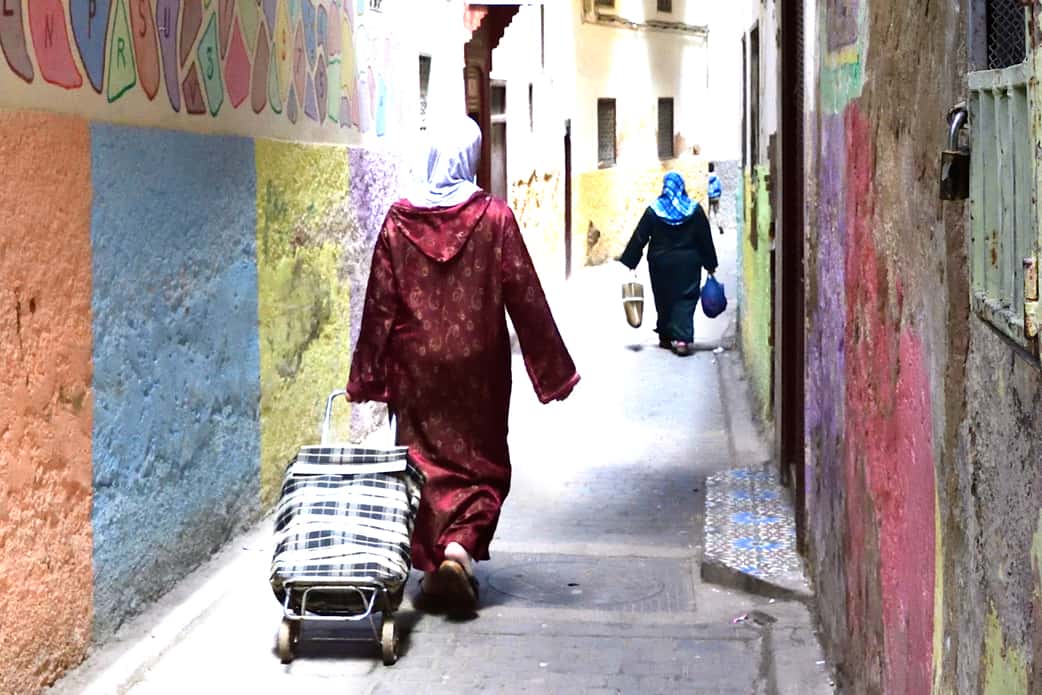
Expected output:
(889, 438)
(45, 398)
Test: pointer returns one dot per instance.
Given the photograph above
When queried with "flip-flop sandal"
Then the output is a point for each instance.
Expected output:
(460, 587)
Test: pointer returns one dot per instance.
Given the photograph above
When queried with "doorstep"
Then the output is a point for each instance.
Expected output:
(750, 535)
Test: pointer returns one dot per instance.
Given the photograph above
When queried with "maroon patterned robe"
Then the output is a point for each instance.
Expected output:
(434, 346)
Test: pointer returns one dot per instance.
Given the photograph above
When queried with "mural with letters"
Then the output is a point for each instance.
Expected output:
(273, 67)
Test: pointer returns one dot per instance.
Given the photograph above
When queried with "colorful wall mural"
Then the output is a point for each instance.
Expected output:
(196, 307)
(318, 70)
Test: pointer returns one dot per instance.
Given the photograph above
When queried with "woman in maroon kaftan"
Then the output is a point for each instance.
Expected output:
(434, 346)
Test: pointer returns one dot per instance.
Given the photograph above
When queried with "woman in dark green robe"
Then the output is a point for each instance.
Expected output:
(681, 244)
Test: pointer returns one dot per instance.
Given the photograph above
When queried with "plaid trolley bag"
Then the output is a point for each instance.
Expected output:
(342, 537)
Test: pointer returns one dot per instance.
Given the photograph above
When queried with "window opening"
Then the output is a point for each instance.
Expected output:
(425, 82)
(665, 128)
(531, 107)
(606, 153)
(499, 99)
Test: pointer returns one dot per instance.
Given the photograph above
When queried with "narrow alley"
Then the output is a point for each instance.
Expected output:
(593, 586)
(215, 212)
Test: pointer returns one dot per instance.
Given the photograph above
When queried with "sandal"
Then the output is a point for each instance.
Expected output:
(459, 586)
(681, 348)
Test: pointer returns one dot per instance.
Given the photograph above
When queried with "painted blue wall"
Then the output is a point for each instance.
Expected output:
(176, 360)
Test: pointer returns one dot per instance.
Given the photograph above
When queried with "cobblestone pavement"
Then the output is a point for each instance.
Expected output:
(593, 583)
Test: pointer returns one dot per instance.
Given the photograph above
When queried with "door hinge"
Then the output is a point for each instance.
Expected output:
(1031, 297)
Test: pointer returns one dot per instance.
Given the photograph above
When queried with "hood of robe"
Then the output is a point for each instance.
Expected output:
(440, 233)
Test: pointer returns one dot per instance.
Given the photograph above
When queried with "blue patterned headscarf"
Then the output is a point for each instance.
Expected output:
(674, 206)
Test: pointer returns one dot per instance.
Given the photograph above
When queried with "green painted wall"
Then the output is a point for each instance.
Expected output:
(755, 312)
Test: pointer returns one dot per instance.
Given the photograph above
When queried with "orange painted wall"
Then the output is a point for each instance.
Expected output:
(45, 397)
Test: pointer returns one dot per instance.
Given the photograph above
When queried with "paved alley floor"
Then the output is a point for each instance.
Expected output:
(593, 583)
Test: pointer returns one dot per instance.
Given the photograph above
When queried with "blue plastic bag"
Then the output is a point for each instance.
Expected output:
(714, 301)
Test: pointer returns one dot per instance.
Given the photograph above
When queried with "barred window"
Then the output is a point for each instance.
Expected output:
(665, 128)
(425, 81)
(606, 133)
(1005, 33)
(665, 5)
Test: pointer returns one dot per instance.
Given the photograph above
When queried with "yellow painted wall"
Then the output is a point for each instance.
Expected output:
(538, 204)
(610, 202)
(304, 221)
(757, 311)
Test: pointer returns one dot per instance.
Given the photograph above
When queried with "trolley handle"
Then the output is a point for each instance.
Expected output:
(328, 417)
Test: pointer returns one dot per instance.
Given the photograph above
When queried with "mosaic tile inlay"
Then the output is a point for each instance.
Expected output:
(750, 526)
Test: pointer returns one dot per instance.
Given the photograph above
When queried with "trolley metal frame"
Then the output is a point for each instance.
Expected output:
(374, 598)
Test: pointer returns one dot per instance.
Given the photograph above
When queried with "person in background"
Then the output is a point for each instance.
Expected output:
(681, 245)
(448, 264)
(715, 191)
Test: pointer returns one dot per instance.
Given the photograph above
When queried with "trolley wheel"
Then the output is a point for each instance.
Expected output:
(389, 640)
(289, 636)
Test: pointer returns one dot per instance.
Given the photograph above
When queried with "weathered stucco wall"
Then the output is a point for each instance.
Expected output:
(756, 312)
(45, 398)
(609, 203)
(303, 223)
(893, 490)
(538, 203)
(204, 304)
(993, 535)
(175, 358)
(377, 181)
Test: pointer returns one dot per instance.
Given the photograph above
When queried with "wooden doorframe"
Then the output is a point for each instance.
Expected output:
(789, 302)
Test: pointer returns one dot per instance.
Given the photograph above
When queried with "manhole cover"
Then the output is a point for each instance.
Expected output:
(578, 583)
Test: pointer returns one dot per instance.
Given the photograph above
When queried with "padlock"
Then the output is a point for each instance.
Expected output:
(955, 161)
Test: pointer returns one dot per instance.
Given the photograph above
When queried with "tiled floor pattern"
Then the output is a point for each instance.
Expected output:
(750, 526)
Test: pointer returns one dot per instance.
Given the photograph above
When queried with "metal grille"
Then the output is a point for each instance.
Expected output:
(1006, 33)
(665, 128)
(665, 5)
(606, 132)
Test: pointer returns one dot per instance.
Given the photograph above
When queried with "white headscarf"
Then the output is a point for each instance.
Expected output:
(452, 165)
